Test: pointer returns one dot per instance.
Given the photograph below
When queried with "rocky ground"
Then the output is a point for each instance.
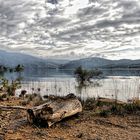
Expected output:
(84, 126)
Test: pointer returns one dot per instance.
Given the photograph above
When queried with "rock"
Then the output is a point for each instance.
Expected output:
(80, 135)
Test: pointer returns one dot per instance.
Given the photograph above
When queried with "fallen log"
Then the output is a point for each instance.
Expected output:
(52, 111)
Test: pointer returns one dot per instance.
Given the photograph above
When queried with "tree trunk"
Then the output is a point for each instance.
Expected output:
(54, 111)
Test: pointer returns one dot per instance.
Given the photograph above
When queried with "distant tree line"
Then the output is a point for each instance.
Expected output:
(19, 68)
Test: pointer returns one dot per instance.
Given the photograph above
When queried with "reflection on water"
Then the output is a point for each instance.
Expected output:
(65, 73)
(69, 73)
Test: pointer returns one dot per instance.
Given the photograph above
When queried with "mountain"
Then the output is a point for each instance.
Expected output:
(95, 62)
(86, 63)
(12, 59)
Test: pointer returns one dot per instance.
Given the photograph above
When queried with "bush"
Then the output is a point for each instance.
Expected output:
(84, 76)
(104, 113)
(117, 109)
(89, 104)
(131, 108)
(35, 99)
(23, 93)
(10, 87)
(2, 96)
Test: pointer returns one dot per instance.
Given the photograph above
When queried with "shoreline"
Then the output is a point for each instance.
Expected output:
(87, 125)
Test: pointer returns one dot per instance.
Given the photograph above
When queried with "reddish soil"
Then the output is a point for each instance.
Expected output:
(84, 126)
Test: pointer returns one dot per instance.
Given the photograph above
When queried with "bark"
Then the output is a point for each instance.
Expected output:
(51, 112)
(54, 111)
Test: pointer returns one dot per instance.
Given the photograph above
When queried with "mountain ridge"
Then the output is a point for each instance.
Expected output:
(14, 58)
(96, 62)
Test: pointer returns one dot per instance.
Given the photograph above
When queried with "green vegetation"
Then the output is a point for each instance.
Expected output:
(3, 69)
(105, 108)
(9, 87)
(19, 68)
(34, 99)
(84, 77)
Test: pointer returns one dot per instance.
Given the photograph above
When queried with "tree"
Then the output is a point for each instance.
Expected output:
(84, 76)
(3, 69)
(19, 68)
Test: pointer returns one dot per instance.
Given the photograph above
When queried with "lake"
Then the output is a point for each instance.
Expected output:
(120, 84)
(113, 87)
(62, 82)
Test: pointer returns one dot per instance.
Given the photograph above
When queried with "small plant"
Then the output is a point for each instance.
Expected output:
(104, 113)
(23, 93)
(35, 99)
(132, 108)
(117, 109)
(10, 87)
(89, 104)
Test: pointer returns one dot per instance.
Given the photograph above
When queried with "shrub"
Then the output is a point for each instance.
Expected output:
(104, 113)
(84, 76)
(10, 87)
(35, 99)
(23, 93)
(117, 109)
(89, 104)
(131, 108)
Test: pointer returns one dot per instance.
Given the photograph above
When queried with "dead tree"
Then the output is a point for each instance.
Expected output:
(52, 111)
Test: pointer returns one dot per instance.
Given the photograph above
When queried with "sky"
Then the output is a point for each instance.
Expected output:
(71, 28)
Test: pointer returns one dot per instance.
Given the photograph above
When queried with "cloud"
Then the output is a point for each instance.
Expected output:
(49, 27)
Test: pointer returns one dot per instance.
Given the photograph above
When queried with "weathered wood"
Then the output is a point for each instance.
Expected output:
(12, 107)
(54, 111)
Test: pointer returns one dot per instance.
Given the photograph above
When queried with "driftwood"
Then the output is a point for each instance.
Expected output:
(12, 107)
(52, 111)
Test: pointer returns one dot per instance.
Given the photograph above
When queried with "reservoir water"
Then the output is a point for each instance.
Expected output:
(120, 84)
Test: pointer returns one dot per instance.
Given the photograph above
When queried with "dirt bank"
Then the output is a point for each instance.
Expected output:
(84, 126)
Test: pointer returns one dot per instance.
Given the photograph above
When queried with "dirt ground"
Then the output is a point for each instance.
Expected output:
(84, 126)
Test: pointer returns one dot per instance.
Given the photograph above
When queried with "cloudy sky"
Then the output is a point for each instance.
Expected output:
(71, 28)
